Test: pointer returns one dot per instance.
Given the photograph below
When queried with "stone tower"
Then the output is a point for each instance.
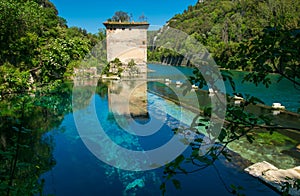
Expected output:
(126, 41)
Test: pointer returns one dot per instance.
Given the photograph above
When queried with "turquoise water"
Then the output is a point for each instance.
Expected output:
(278, 151)
(79, 172)
(283, 92)
(63, 145)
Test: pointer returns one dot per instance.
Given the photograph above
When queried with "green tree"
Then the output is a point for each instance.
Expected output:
(222, 25)
(57, 55)
(259, 36)
(121, 16)
(274, 50)
(22, 22)
(37, 52)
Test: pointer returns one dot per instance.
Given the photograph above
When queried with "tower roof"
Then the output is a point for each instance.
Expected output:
(115, 23)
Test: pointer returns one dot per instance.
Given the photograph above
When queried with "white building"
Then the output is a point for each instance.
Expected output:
(126, 41)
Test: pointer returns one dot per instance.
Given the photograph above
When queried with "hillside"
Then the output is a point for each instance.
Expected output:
(226, 28)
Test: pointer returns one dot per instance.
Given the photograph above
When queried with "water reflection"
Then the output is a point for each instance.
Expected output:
(26, 151)
(128, 98)
(112, 105)
(79, 172)
(279, 148)
(73, 170)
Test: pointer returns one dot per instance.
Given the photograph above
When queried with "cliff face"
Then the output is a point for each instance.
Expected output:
(173, 60)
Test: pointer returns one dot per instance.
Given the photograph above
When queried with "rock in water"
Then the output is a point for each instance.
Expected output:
(136, 183)
(274, 176)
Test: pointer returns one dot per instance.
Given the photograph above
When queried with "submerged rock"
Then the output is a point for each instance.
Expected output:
(136, 183)
(274, 176)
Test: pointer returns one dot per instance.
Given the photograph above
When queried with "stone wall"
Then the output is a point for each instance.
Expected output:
(127, 41)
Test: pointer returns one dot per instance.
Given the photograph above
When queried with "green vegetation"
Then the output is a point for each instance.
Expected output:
(37, 54)
(262, 37)
(114, 67)
(132, 69)
(275, 139)
(36, 45)
(125, 18)
(235, 32)
(117, 68)
(295, 184)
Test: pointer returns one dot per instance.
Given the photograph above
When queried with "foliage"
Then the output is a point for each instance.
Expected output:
(21, 24)
(209, 146)
(274, 50)
(227, 27)
(57, 55)
(36, 45)
(116, 67)
(290, 183)
(13, 80)
(258, 36)
(142, 18)
(131, 63)
(37, 53)
(131, 68)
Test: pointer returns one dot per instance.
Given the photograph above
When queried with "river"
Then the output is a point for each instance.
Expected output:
(68, 152)
(87, 164)
(283, 92)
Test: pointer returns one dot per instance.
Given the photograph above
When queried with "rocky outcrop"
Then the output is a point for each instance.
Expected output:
(273, 176)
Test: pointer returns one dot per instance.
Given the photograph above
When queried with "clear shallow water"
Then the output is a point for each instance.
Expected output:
(283, 92)
(279, 148)
(79, 172)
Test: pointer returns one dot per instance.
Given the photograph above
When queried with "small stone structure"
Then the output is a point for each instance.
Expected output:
(86, 72)
(126, 41)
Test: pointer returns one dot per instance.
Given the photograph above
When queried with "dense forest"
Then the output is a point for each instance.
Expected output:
(256, 35)
(36, 45)
(38, 52)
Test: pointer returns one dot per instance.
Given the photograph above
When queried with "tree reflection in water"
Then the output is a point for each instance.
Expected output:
(25, 149)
